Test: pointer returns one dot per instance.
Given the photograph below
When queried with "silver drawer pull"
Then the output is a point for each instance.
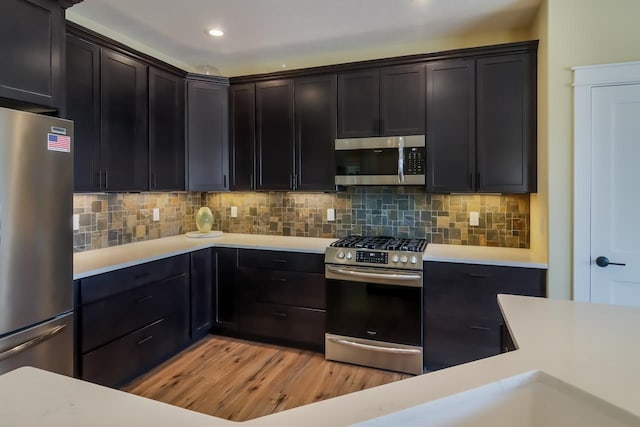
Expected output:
(392, 350)
(144, 340)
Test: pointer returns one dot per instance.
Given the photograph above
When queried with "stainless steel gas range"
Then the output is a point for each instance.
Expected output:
(374, 302)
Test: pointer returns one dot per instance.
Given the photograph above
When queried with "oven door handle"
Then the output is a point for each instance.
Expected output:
(383, 276)
(392, 350)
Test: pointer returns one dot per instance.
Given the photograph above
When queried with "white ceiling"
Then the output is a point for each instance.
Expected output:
(261, 35)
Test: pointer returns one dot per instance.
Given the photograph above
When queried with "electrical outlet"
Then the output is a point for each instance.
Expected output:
(234, 212)
(474, 219)
(76, 222)
(331, 214)
(156, 214)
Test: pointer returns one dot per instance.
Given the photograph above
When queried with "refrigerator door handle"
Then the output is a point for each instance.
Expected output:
(32, 342)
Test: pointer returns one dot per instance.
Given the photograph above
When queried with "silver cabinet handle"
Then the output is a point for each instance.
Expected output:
(392, 350)
(375, 275)
(48, 334)
(401, 160)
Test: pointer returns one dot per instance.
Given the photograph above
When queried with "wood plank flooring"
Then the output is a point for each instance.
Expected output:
(241, 380)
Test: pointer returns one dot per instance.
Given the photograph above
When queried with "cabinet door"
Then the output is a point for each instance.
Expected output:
(124, 150)
(274, 135)
(207, 136)
(359, 104)
(402, 100)
(31, 40)
(462, 318)
(506, 159)
(225, 298)
(242, 112)
(451, 155)
(166, 131)
(83, 107)
(201, 292)
(315, 109)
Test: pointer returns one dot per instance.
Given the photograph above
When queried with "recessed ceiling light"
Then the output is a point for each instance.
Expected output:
(216, 32)
(284, 65)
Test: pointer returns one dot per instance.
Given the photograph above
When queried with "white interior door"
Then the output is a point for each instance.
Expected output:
(615, 195)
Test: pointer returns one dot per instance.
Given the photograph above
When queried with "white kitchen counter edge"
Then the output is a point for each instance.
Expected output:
(100, 261)
(484, 255)
(593, 347)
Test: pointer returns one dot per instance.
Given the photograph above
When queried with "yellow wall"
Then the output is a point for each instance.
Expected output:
(579, 32)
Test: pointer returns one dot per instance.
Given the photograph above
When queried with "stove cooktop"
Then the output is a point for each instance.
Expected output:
(382, 251)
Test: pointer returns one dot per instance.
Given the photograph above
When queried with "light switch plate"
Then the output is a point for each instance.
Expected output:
(474, 219)
(76, 222)
(156, 214)
(331, 214)
(234, 212)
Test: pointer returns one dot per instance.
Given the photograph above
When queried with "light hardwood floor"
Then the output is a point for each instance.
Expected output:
(241, 380)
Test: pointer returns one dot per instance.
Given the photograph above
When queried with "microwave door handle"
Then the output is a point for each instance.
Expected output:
(401, 160)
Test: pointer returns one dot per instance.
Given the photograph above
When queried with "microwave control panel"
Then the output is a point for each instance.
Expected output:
(414, 161)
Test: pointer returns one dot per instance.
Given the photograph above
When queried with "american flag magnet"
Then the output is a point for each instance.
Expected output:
(60, 143)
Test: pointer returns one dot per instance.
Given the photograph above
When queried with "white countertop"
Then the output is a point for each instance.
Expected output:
(99, 261)
(594, 347)
(506, 257)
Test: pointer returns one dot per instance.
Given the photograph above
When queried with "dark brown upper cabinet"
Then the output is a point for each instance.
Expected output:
(242, 135)
(166, 131)
(83, 107)
(31, 42)
(107, 100)
(315, 127)
(381, 101)
(451, 129)
(481, 125)
(207, 134)
(506, 127)
(124, 123)
(275, 135)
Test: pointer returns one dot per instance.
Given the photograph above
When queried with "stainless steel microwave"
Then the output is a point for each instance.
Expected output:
(392, 160)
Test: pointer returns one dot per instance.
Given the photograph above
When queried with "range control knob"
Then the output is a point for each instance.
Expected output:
(414, 260)
(395, 258)
(403, 259)
(349, 255)
(340, 255)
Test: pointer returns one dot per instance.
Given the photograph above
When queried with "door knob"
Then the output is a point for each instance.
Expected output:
(603, 261)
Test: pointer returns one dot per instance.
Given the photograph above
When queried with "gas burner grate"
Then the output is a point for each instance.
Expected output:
(383, 243)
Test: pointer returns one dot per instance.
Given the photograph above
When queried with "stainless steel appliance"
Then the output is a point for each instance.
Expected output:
(374, 302)
(393, 160)
(36, 247)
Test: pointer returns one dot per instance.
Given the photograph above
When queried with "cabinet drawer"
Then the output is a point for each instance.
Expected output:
(103, 285)
(467, 291)
(282, 287)
(296, 324)
(283, 261)
(111, 318)
(452, 343)
(120, 361)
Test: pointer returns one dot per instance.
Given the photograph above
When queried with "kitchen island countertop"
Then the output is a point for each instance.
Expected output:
(593, 347)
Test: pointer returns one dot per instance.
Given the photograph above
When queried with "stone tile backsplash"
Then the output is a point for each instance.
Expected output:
(115, 218)
(391, 211)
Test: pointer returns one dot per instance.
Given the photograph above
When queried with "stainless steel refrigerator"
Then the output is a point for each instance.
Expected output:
(36, 242)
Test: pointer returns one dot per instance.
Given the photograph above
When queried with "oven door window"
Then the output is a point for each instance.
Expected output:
(387, 313)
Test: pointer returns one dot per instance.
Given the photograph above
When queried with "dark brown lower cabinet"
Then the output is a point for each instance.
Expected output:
(132, 319)
(202, 272)
(281, 297)
(462, 319)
